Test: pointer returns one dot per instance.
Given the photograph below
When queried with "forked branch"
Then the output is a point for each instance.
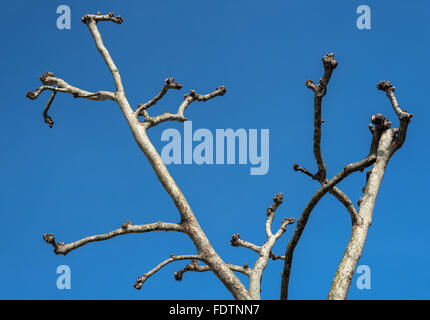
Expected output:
(126, 228)
(386, 141)
(179, 115)
(54, 84)
(265, 251)
(302, 221)
(141, 280)
(188, 222)
(403, 116)
(169, 83)
(195, 267)
(91, 21)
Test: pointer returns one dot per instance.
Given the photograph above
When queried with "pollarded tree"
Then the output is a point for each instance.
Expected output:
(385, 142)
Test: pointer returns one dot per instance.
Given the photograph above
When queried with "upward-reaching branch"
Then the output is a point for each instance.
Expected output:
(169, 83)
(403, 116)
(385, 143)
(188, 223)
(302, 221)
(320, 91)
(264, 251)
(91, 21)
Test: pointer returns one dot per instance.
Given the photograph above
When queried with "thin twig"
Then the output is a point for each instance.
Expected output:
(179, 115)
(139, 282)
(195, 267)
(126, 228)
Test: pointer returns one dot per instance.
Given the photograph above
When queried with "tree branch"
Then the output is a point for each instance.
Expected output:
(189, 224)
(140, 281)
(403, 116)
(195, 267)
(46, 117)
(102, 17)
(169, 83)
(336, 192)
(319, 92)
(301, 223)
(381, 133)
(91, 21)
(344, 199)
(237, 242)
(179, 115)
(48, 80)
(385, 142)
(277, 201)
(128, 227)
(265, 251)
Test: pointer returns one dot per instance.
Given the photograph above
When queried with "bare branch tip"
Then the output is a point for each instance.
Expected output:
(329, 61)
(310, 84)
(380, 123)
(222, 90)
(87, 18)
(385, 85)
(31, 95)
(278, 198)
(234, 240)
(139, 282)
(49, 121)
(289, 220)
(171, 84)
(49, 238)
(44, 76)
(178, 276)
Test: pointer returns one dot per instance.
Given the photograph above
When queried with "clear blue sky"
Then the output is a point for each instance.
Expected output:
(87, 176)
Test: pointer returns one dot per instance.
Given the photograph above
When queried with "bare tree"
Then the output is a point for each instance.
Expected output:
(384, 143)
(188, 223)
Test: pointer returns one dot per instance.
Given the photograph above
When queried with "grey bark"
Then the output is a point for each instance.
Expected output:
(388, 142)
(188, 222)
(385, 143)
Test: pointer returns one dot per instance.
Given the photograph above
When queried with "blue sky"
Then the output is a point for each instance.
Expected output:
(87, 176)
